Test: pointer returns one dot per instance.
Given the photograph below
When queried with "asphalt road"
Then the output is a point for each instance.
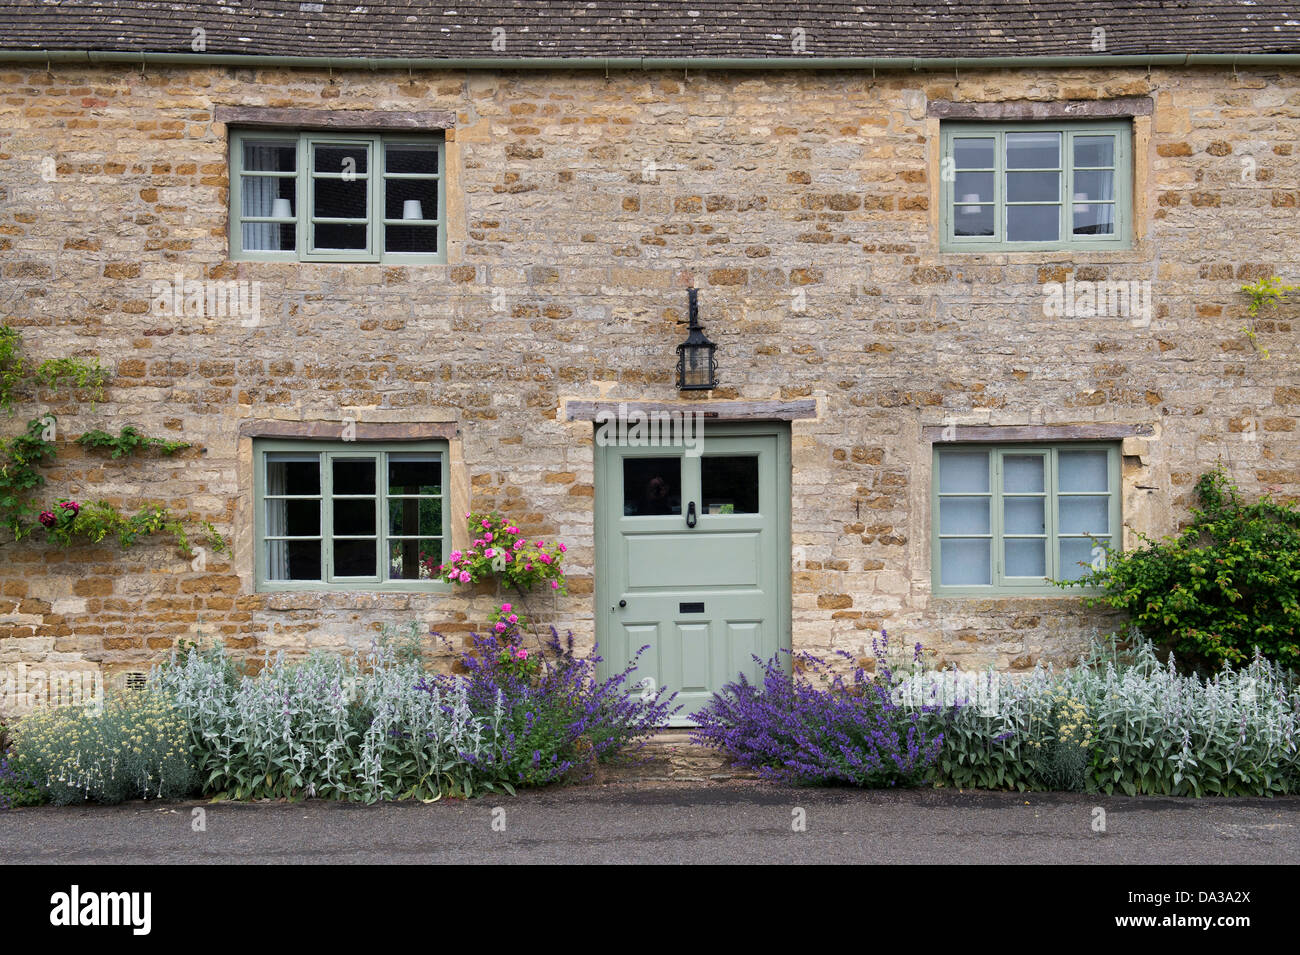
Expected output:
(737, 822)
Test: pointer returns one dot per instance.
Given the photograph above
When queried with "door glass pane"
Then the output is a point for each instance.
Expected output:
(963, 472)
(355, 558)
(1033, 223)
(1083, 470)
(1026, 558)
(729, 485)
(1094, 150)
(354, 475)
(965, 562)
(973, 153)
(964, 515)
(1023, 515)
(1022, 473)
(413, 559)
(1077, 555)
(293, 560)
(1083, 515)
(652, 486)
(1033, 150)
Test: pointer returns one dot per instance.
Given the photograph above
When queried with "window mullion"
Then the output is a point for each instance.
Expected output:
(381, 515)
(327, 517)
(1050, 484)
(995, 516)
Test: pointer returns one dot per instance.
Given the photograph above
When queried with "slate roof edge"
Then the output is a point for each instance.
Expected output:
(883, 63)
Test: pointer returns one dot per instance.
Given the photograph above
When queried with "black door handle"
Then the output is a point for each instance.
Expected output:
(690, 514)
(622, 603)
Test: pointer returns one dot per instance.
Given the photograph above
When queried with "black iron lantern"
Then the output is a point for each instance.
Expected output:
(697, 368)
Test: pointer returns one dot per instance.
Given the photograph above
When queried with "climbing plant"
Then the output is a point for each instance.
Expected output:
(1266, 293)
(23, 456)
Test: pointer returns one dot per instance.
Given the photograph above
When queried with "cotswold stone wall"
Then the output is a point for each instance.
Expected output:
(805, 207)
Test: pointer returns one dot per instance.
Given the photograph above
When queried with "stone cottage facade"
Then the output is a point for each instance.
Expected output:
(901, 249)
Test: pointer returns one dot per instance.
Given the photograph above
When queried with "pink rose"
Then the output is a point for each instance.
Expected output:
(500, 627)
(555, 585)
(464, 577)
(528, 566)
(487, 536)
(486, 523)
(513, 618)
(522, 654)
(489, 552)
(505, 607)
(47, 518)
(563, 549)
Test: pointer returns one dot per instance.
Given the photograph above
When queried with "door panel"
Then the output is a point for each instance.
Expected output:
(708, 598)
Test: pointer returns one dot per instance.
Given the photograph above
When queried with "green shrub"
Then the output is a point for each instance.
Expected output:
(134, 746)
(1227, 586)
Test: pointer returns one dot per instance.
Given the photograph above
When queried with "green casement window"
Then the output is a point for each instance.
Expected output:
(350, 516)
(1011, 519)
(1036, 186)
(315, 197)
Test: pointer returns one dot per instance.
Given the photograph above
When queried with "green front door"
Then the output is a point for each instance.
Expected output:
(693, 559)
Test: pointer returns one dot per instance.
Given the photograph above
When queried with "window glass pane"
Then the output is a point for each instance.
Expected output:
(1083, 515)
(1026, 558)
(1022, 472)
(652, 486)
(1033, 223)
(411, 238)
(1095, 184)
(410, 199)
(354, 516)
(1033, 187)
(1023, 515)
(963, 472)
(974, 153)
(1094, 220)
(1077, 555)
(346, 160)
(1033, 150)
(292, 517)
(415, 517)
(341, 238)
(974, 187)
(293, 474)
(411, 158)
(293, 560)
(268, 237)
(270, 156)
(1083, 470)
(337, 199)
(1094, 150)
(414, 474)
(414, 559)
(354, 475)
(964, 515)
(965, 562)
(729, 485)
(355, 558)
(973, 220)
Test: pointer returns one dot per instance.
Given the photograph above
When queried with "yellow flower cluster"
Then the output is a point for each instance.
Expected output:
(130, 740)
(1072, 720)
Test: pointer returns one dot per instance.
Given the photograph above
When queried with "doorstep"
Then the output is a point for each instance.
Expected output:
(669, 756)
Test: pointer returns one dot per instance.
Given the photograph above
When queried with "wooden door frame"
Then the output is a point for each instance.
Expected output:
(604, 593)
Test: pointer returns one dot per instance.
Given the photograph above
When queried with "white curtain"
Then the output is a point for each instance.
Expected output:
(277, 562)
(260, 193)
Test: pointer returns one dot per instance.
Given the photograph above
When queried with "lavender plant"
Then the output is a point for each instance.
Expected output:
(551, 714)
(809, 724)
